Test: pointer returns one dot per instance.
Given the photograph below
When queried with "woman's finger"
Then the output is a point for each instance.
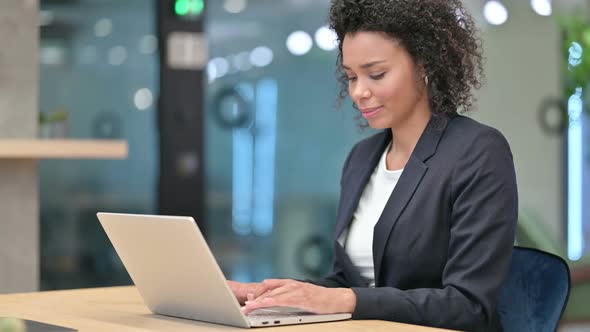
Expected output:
(287, 299)
(275, 292)
(259, 304)
(269, 284)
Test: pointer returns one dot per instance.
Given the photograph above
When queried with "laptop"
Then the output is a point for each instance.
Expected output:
(177, 275)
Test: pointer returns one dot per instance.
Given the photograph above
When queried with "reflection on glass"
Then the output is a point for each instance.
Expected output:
(264, 156)
(243, 165)
(299, 43)
(575, 151)
(273, 165)
(98, 67)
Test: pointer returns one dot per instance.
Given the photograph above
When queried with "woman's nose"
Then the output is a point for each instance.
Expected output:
(360, 91)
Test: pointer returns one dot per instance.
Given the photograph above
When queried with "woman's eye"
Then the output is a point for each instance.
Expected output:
(377, 77)
(351, 79)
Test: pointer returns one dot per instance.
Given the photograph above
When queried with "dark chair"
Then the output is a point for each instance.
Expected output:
(535, 292)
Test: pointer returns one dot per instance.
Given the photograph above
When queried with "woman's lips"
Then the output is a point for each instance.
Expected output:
(371, 112)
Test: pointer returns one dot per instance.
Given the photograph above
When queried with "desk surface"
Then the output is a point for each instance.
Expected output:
(122, 309)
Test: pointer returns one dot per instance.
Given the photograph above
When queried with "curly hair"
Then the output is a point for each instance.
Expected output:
(439, 35)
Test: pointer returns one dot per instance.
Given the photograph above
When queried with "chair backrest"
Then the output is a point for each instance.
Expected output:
(535, 293)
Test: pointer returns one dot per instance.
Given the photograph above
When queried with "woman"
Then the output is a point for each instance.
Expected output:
(428, 206)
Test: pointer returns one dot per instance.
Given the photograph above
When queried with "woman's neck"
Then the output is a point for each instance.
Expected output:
(406, 136)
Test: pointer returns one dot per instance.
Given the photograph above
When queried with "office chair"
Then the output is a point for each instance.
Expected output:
(534, 295)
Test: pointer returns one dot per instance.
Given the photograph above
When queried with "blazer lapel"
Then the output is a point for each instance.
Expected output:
(413, 173)
(356, 182)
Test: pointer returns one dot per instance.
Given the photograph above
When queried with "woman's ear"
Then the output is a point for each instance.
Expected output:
(422, 76)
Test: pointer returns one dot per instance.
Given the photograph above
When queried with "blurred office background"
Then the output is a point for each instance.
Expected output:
(272, 138)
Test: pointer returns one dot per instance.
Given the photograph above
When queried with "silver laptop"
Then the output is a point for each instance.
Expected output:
(177, 275)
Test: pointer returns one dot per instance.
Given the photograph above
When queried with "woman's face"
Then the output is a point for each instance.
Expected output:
(383, 80)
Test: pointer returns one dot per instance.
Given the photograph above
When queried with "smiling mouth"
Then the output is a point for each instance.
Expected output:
(371, 112)
(372, 109)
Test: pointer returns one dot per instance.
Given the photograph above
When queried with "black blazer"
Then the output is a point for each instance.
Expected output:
(443, 244)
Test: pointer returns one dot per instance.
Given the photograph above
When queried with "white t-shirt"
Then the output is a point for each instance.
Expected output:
(359, 237)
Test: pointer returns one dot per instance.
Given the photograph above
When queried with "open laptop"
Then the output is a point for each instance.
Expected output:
(177, 275)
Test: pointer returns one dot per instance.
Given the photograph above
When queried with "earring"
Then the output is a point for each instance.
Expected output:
(426, 80)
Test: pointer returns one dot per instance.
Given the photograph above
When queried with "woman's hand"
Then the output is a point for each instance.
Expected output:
(302, 295)
(242, 291)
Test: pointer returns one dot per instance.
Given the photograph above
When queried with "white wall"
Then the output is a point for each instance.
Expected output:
(523, 68)
(19, 193)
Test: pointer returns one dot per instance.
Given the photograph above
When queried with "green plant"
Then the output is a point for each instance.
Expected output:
(576, 29)
(12, 324)
(56, 116)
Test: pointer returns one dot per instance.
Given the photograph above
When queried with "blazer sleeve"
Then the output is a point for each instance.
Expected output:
(482, 224)
(337, 278)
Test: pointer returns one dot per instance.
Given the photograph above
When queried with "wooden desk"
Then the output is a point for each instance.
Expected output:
(122, 309)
